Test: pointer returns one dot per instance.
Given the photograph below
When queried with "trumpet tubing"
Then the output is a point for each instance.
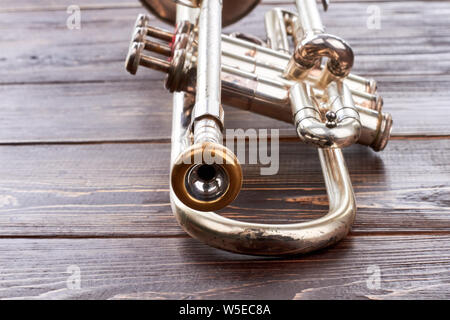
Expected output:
(197, 181)
(252, 79)
(329, 107)
(312, 43)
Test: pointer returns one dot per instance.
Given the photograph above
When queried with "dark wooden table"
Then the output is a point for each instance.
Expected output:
(84, 163)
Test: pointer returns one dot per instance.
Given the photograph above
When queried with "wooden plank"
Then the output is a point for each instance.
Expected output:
(112, 111)
(62, 5)
(141, 111)
(122, 189)
(409, 267)
(60, 54)
(63, 86)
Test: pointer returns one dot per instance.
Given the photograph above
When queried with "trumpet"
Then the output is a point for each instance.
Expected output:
(330, 107)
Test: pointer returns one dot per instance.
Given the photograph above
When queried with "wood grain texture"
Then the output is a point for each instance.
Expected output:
(141, 111)
(49, 72)
(136, 269)
(49, 5)
(122, 189)
(84, 150)
(59, 54)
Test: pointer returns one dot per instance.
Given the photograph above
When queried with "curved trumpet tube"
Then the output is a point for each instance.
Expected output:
(269, 239)
(312, 49)
(314, 45)
(342, 128)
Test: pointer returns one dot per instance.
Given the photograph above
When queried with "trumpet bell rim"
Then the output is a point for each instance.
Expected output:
(206, 153)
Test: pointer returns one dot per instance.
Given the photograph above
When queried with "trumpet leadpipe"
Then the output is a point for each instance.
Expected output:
(207, 176)
(208, 102)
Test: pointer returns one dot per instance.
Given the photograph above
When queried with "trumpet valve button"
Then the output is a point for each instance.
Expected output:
(331, 119)
(141, 21)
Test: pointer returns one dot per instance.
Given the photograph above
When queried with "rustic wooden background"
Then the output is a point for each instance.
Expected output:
(84, 150)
